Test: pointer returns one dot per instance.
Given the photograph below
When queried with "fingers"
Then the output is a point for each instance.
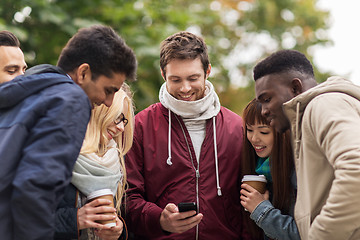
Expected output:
(94, 211)
(192, 220)
(100, 203)
(183, 225)
(247, 187)
(173, 221)
(112, 233)
(250, 198)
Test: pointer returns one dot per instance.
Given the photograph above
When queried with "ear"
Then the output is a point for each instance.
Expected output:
(83, 74)
(208, 71)
(162, 74)
(297, 86)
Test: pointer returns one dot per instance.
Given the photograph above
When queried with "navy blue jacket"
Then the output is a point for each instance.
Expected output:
(43, 119)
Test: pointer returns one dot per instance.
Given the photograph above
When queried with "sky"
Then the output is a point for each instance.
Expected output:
(343, 57)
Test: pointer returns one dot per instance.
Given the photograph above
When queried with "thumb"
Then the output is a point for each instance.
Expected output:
(172, 208)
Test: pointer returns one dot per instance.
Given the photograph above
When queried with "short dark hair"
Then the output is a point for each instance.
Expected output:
(103, 49)
(281, 61)
(8, 39)
(183, 45)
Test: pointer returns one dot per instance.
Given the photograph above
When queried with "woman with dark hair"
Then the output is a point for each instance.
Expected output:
(267, 152)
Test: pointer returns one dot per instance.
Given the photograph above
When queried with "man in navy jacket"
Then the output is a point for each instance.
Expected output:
(12, 62)
(43, 119)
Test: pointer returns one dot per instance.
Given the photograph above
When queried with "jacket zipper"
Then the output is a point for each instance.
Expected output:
(197, 173)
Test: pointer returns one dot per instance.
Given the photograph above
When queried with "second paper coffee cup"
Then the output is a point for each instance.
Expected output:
(256, 181)
(104, 194)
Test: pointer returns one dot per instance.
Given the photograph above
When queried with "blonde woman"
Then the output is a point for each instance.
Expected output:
(100, 165)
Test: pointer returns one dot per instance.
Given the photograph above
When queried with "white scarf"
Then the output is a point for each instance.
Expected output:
(92, 172)
(202, 109)
(194, 114)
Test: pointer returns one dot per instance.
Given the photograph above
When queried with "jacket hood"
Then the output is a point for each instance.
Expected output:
(294, 109)
(34, 80)
(332, 84)
(44, 68)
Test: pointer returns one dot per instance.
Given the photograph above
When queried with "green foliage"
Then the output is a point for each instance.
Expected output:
(238, 33)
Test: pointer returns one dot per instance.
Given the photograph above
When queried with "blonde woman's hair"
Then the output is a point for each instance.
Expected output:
(96, 135)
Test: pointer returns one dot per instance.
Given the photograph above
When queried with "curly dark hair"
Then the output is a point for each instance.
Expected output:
(103, 49)
(281, 61)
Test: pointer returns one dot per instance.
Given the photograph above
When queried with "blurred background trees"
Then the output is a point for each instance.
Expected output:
(238, 34)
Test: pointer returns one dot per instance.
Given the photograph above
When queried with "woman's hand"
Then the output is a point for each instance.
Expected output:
(251, 198)
(92, 212)
(113, 233)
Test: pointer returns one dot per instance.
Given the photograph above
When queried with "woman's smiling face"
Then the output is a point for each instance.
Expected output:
(113, 130)
(261, 137)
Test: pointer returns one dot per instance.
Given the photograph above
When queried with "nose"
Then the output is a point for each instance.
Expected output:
(120, 127)
(108, 100)
(254, 137)
(185, 87)
(265, 112)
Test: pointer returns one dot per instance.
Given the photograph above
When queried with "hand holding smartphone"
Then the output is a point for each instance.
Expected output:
(187, 206)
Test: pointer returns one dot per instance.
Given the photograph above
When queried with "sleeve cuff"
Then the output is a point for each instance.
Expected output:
(261, 210)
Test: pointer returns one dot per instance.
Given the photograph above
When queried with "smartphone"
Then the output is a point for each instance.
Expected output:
(187, 206)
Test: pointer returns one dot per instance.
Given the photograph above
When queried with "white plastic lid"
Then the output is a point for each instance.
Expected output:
(98, 193)
(259, 178)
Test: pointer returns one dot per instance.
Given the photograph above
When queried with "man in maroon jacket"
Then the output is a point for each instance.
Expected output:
(187, 148)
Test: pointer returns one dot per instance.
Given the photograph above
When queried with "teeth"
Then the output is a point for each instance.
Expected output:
(187, 96)
(258, 148)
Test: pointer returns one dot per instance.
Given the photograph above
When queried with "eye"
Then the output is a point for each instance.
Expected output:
(108, 92)
(266, 100)
(174, 79)
(265, 133)
(249, 130)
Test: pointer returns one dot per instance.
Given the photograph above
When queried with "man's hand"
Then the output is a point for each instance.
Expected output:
(171, 220)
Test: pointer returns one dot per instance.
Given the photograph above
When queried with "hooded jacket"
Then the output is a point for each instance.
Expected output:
(154, 182)
(43, 119)
(325, 125)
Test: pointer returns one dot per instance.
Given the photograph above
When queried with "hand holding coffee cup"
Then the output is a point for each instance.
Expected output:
(250, 198)
(107, 195)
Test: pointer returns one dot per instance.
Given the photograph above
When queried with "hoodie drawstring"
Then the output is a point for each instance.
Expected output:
(216, 161)
(168, 161)
(297, 137)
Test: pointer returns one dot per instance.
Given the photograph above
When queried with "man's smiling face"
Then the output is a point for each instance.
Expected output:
(185, 79)
(272, 91)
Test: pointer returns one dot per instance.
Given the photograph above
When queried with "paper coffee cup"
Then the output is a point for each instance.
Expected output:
(256, 181)
(104, 194)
